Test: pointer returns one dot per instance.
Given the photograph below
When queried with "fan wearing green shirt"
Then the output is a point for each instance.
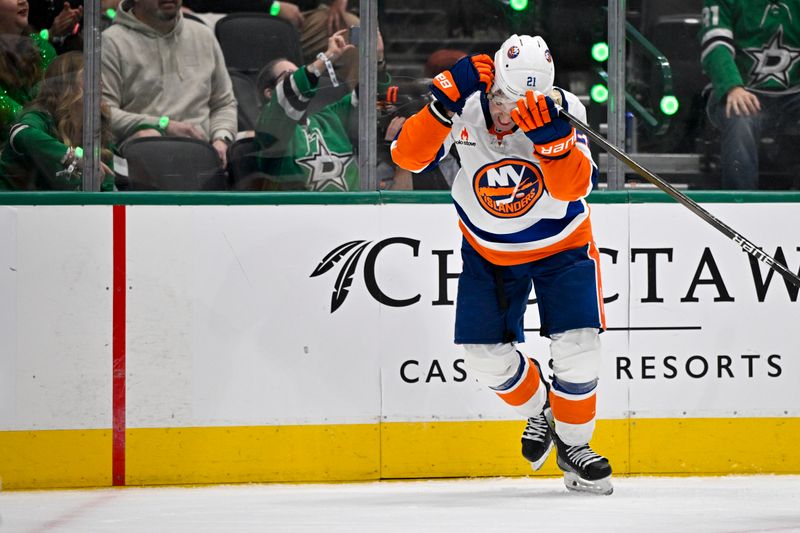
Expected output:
(308, 151)
(751, 52)
(24, 56)
(43, 150)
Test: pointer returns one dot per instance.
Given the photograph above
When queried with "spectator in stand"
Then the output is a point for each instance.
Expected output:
(43, 151)
(303, 151)
(751, 52)
(162, 76)
(58, 21)
(285, 10)
(24, 56)
(329, 17)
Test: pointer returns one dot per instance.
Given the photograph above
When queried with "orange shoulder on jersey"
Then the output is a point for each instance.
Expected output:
(419, 140)
(567, 171)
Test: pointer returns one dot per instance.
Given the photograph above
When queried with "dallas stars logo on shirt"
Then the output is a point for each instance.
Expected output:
(773, 61)
(325, 167)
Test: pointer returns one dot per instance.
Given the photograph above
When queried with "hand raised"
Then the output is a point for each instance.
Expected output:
(452, 87)
(537, 116)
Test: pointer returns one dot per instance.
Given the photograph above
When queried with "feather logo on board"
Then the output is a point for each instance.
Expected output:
(349, 254)
(345, 278)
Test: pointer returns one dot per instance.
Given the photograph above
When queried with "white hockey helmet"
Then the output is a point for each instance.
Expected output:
(522, 64)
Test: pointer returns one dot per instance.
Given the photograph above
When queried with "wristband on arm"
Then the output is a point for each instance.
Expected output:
(328, 65)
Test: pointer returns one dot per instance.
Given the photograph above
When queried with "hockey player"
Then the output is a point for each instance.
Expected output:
(520, 200)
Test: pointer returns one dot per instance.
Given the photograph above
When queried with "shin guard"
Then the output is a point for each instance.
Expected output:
(512, 376)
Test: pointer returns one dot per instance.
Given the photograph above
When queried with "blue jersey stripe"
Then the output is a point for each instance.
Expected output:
(545, 228)
(513, 380)
(435, 163)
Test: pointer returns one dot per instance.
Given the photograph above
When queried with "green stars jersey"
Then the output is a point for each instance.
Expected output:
(34, 158)
(310, 152)
(753, 43)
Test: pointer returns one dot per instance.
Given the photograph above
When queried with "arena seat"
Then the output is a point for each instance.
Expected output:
(251, 40)
(170, 164)
(248, 100)
(243, 165)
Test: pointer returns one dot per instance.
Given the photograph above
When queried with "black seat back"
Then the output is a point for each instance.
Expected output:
(251, 40)
(171, 164)
(248, 100)
(243, 167)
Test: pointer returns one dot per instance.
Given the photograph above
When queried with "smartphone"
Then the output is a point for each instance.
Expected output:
(355, 34)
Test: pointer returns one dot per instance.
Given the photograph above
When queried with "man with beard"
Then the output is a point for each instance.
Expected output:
(164, 75)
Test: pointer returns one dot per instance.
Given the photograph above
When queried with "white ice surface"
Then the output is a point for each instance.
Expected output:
(651, 505)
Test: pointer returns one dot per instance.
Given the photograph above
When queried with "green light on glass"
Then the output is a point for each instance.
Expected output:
(518, 5)
(669, 105)
(600, 52)
(599, 93)
(111, 13)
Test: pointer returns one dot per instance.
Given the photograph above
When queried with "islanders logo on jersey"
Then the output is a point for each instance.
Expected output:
(508, 188)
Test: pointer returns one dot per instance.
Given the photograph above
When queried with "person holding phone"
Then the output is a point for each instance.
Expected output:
(355, 35)
(321, 23)
(302, 150)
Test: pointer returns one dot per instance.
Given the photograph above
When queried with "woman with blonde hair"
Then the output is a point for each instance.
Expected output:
(43, 151)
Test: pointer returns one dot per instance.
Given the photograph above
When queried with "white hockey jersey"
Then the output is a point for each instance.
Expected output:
(513, 206)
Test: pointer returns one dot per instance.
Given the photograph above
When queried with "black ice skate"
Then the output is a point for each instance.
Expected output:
(537, 441)
(584, 470)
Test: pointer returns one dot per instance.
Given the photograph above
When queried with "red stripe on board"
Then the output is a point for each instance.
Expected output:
(118, 349)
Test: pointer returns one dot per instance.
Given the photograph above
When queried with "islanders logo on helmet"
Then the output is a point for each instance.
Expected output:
(523, 63)
(508, 188)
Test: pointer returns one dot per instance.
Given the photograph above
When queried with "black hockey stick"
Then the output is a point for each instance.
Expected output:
(687, 202)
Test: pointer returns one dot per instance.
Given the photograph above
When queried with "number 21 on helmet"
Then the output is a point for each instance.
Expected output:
(523, 63)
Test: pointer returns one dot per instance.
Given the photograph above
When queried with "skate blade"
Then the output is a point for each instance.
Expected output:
(576, 483)
(538, 464)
